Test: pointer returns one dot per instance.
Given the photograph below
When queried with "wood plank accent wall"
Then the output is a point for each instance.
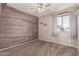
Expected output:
(16, 27)
(0, 10)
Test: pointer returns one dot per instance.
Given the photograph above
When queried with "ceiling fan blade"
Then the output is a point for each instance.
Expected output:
(47, 5)
(32, 8)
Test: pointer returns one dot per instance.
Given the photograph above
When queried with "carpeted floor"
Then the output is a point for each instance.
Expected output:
(40, 48)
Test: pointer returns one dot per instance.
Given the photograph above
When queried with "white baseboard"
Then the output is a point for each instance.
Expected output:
(71, 45)
(17, 45)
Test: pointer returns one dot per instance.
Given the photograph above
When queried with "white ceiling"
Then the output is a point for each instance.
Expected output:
(26, 7)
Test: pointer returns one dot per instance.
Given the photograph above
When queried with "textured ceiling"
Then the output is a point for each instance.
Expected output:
(26, 7)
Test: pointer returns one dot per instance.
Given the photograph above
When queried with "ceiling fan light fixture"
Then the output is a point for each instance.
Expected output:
(43, 9)
(40, 7)
(39, 10)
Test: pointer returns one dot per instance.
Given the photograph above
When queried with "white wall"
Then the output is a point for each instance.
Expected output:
(78, 30)
(45, 32)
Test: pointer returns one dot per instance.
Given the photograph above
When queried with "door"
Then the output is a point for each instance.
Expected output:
(63, 27)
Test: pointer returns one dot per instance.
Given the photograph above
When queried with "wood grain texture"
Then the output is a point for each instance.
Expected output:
(16, 27)
(0, 10)
(40, 48)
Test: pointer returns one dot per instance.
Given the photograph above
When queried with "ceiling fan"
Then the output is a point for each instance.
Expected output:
(41, 7)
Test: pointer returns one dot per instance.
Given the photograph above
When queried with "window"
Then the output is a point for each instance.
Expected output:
(63, 23)
(59, 23)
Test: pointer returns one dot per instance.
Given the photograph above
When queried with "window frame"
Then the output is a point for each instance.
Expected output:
(62, 21)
